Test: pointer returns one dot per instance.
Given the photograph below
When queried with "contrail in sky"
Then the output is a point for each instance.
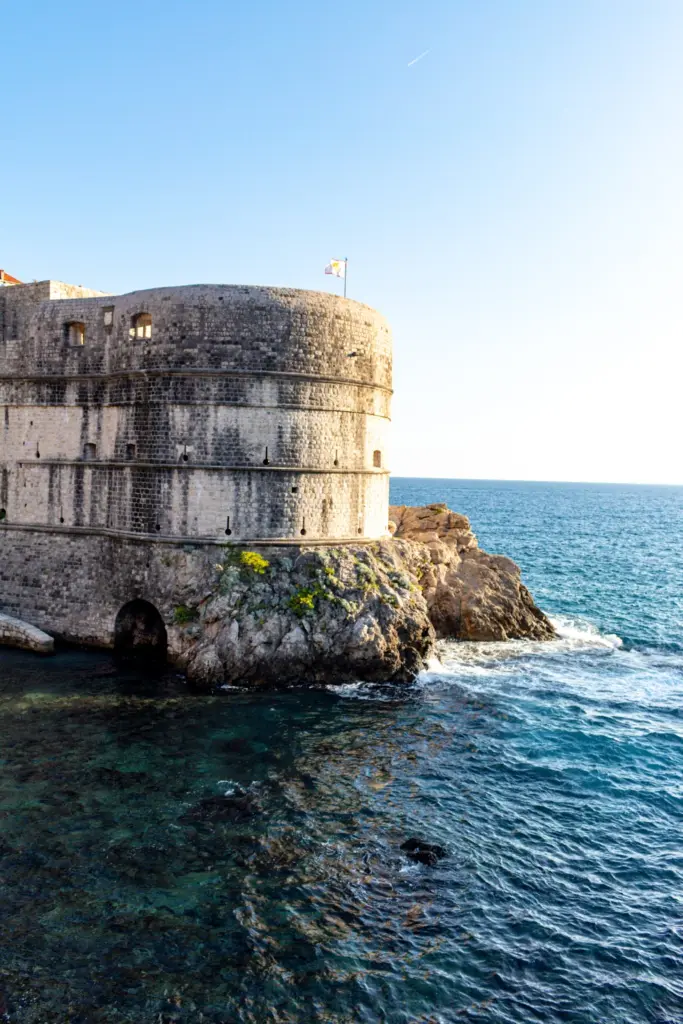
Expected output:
(416, 59)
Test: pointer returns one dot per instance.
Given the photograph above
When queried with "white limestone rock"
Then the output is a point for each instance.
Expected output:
(15, 633)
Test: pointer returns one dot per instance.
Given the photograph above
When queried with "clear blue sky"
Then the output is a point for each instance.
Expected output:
(513, 202)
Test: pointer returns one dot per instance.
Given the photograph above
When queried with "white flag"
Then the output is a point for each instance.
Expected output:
(336, 267)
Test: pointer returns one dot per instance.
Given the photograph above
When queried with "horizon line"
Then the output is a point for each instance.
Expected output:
(512, 480)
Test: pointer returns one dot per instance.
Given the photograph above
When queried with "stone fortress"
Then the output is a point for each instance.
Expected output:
(179, 418)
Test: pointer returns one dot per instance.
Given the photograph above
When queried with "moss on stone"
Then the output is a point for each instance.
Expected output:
(183, 615)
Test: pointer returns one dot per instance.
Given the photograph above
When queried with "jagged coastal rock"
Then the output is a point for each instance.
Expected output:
(317, 615)
(370, 612)
(471, 595)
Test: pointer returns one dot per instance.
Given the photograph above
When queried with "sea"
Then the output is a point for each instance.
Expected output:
(550, 773)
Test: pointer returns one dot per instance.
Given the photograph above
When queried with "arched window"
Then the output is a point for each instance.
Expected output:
(142, 326)
(74, 332)
(377, 459)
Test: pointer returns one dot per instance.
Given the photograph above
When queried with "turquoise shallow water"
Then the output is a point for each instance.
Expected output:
(553, 775)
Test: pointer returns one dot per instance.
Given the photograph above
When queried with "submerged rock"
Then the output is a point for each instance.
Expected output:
(423, 852)
(471, 595)
(232, 807)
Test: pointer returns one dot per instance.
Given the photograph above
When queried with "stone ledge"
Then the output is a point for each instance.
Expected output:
(16, 633)
(112, 464)
(156, 538)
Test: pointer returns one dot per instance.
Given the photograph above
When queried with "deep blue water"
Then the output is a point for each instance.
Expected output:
(552, 773)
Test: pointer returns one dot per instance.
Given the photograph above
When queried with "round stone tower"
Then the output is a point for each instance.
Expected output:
(200, 413)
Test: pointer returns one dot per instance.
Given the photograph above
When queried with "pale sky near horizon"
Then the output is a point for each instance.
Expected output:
(512, 201)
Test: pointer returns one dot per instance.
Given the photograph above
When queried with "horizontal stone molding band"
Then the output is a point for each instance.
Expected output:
(195, 466)
(192, 372)
(217, 404)
(156, 538)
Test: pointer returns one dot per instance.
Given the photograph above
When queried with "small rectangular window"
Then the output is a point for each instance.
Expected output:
(90, 452)
(130, 452)
(141, 326)
(75, 332)
(108, 317)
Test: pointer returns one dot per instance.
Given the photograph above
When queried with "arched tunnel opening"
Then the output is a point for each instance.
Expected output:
(140, 634)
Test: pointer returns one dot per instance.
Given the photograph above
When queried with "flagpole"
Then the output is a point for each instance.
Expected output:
(346, 271)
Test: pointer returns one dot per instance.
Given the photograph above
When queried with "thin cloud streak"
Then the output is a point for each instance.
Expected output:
(416, 59)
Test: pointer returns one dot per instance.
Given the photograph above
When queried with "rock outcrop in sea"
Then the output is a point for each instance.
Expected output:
(316, 615)
(470, 594)
(370, 612)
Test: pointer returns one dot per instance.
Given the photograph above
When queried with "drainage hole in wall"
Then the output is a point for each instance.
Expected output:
(61, 519)
(185, 457)
(303, 533)
(228, 533)
(295, 490)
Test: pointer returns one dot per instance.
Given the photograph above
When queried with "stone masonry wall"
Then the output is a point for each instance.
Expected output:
(73, 586)
(260, 411)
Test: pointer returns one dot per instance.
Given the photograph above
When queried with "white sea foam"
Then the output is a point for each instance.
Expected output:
(434, 664)
(475, 659)
(580, 632)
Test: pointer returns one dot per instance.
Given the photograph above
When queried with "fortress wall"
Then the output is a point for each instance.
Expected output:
(226, 372)
(73, 586)
(189, 436)
(186, 505)
(203, 326)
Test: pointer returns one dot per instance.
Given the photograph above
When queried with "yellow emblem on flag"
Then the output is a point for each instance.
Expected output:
(336, 267)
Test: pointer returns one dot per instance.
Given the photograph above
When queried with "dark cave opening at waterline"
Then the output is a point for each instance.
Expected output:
(140, 634)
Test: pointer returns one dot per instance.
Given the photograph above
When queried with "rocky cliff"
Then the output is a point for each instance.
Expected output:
(470, 594)
(368, 612)
(314, 615)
